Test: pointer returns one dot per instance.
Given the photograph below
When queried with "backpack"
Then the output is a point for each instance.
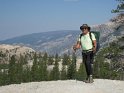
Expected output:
(97, 36)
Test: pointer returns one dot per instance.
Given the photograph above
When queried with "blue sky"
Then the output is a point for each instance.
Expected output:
(20, 17)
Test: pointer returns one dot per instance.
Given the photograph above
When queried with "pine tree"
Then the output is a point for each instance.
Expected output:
(34, 70)
(66, 60)
(55, 74)
(50, 60)
(43, 67)
(45, 57)
(3, 74)
(120, 7)
(57, 58)
(3, 77)
(71, 71)
(12, 70)
(27, 76)
(45, 72)
(63, 73)
(74, 65)
(81, 74)
(19, 70)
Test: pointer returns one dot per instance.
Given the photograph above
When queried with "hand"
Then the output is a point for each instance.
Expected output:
(94, 49)
(74, 48)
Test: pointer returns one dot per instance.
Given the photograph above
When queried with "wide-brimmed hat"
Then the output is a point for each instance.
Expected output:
(84, 26)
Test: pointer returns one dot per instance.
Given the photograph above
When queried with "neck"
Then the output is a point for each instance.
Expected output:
(85, 33)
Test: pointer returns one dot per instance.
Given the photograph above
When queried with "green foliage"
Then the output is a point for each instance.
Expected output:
(12, 70)
(18, 71)
(81, 74)
(55, 74)
(57, 58)
(4, 66)
(63, 73)
(50, 60)
(45, 57)
(34, 70)
(71, 71)
(66, 59)
(120, 7)
(26, 75)
(44, 71)
(107, 62)
(41, 69)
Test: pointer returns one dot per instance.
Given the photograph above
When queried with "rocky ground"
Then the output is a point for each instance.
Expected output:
(68, 86)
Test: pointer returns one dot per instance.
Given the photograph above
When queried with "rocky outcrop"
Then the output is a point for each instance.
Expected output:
(6, 51)
(112, 30)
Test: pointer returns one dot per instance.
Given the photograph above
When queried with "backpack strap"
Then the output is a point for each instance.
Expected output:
(81, 35)
(91, 38)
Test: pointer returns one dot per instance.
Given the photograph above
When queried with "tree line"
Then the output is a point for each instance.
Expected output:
(20, 70)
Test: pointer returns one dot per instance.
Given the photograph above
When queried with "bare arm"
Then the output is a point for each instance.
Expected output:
(77, 46)
(94, 46)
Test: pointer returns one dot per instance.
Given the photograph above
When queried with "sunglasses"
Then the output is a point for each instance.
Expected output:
(83, 28)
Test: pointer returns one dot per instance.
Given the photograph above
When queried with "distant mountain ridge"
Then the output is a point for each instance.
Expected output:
(62, 41)
(51, 42)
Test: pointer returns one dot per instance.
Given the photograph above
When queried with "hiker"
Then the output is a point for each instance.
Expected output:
(88, 45)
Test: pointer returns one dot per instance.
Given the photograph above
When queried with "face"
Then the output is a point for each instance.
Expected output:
(85, 30)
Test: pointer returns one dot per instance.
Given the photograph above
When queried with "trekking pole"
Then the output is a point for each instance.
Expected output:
(75, 67)
(74, 55)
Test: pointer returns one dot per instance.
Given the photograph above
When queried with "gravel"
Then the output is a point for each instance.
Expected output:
(66, 86)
